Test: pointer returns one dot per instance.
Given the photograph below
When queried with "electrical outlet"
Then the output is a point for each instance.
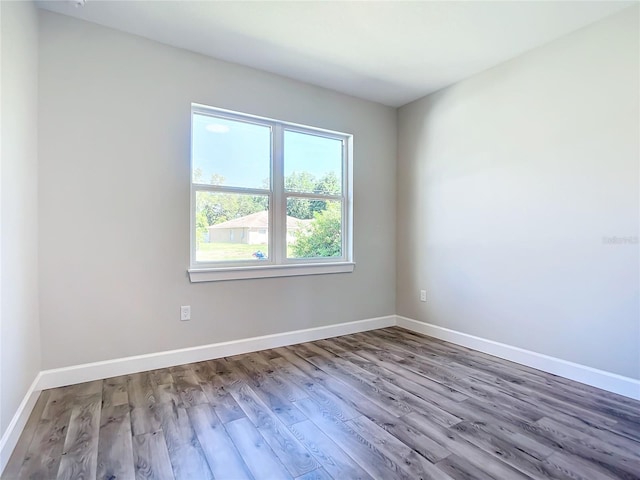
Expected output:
(423, 295)
(185, 312)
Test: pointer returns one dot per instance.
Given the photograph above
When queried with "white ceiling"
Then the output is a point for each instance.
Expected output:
(390, 52)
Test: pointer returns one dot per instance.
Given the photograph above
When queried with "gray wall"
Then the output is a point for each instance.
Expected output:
(507, 184)
(19, 328)
(114, 171)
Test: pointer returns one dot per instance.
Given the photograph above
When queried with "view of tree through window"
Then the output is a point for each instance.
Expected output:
(237, 195)
(319, 220)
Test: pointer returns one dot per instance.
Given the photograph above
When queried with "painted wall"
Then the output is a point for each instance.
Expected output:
(511, 188)
(19, 327)
(114, 171)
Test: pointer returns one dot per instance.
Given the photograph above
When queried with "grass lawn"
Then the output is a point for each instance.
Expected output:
(216, 252)
(211, 252)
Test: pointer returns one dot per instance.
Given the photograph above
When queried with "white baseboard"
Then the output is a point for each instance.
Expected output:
(16, 425)
(98, 370)
(611, 382)
(123, 366)
(60, 377)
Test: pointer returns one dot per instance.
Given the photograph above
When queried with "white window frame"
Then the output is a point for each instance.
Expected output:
(277, 264)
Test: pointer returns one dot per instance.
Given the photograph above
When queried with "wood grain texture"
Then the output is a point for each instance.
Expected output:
(326, 452)
(151, 457)
(318, 474)
(114, 392)
(289, 450)
(187, 458)
(115, 448)
(79, 458)
(258, 455)
(385, 404)
(20, 453)
(397, 451)
(268, 391)
(221, 453)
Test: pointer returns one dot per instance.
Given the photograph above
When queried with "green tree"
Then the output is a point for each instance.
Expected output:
(305, 182)
(299, 208)
(300, 182)
(323, 236)
(201, 227)
(218, 207)
(329, 185)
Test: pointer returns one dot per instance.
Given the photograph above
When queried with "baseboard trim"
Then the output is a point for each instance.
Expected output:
(611, 382)
(12, 434)
(123, 366)
(59, 377)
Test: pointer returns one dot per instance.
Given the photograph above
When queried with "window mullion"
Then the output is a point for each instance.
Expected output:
(314, 196)
(279, 214)
(203, 187)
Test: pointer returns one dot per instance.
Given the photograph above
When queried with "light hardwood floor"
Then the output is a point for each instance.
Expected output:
(384, 404)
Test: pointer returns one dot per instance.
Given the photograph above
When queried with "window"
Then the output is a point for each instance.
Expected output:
(268, 198)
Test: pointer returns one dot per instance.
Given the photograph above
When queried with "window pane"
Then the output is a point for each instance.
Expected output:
(312, 164)
(230, 153)
(231, 227)
(314, 228)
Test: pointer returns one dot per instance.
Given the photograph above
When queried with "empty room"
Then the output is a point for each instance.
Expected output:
(319, 240)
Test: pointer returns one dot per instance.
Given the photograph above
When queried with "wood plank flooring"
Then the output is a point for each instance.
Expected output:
(386, 404)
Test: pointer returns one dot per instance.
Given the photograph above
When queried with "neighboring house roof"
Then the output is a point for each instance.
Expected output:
(258, 220)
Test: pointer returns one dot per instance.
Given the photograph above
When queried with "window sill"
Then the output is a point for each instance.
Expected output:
(267, 271)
